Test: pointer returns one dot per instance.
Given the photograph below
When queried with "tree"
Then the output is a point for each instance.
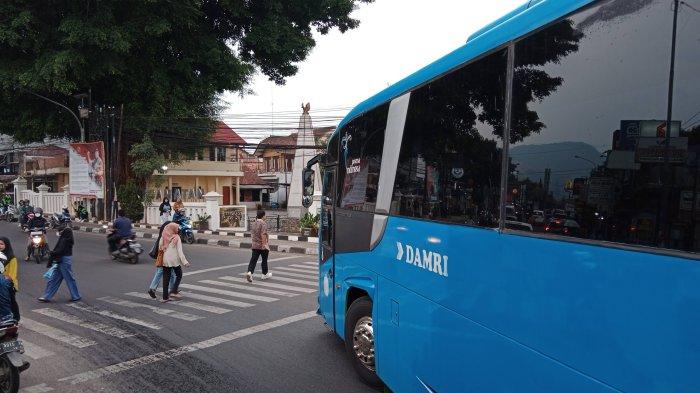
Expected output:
(166, 61)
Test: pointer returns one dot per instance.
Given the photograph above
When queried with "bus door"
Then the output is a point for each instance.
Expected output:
(326, 297)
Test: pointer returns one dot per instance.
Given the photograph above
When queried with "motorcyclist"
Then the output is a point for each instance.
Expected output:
(36, 224)
(65, 214)
(22, 210)
(123, 229)
(179, 215)
(9, 310)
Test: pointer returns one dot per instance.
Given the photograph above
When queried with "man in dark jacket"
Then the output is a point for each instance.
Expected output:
(36, 224)
(62, 255)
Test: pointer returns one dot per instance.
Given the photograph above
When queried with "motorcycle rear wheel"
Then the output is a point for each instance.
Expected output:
(9, 376)
(189, 238)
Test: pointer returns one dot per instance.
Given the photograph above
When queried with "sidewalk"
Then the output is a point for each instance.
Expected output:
(280, 243)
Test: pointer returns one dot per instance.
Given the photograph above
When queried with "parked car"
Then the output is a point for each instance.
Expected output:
(518, 226)
(563, 226)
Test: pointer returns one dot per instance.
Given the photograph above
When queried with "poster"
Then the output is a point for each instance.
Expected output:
(87, 169)
(232, 217)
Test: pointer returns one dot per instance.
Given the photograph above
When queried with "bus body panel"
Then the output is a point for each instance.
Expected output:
(625, 317)
(350, 274)
(422, 346)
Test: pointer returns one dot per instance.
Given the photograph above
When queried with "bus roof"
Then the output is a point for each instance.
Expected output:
(528, 17)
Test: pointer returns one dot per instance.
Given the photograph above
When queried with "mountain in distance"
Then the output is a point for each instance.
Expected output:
(532, 160)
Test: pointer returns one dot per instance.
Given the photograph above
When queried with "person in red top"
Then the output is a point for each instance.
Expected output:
(261, 246)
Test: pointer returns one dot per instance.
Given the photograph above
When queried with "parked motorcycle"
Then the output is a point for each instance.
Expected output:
(11, 360)
(186, 232)
(128, 250)
(57, 219)
(10, 214)
(39, 244)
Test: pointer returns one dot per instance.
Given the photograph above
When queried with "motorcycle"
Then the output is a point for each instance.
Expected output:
(57, 219)
(10, 214)
(11, 360)
(128, 250)
(41, 248)
(186, 232)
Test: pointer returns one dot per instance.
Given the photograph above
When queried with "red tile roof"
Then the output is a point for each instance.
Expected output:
(250, 178)
(226, 135)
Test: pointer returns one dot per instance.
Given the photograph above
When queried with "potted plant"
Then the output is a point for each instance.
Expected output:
(309, 224)
(202, 222)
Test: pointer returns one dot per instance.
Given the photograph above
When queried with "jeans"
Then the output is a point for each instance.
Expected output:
(167, 273)
(64, 271)
(157, 277)
(254, 260)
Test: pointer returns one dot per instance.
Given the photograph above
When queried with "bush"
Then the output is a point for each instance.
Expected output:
(130, 200)
(309, 221)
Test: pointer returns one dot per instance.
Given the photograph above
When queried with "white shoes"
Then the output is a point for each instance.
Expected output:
(249, 276)
(266, 276)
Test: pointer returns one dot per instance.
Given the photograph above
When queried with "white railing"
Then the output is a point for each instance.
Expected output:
(192, 210)
(50, 202)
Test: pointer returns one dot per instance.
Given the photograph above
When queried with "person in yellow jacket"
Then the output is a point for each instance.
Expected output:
(11, 261)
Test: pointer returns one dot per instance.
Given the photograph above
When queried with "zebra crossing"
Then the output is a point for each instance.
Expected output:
(202, 298)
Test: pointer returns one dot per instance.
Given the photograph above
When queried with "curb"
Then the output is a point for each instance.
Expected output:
(294, 238)
(216, 242)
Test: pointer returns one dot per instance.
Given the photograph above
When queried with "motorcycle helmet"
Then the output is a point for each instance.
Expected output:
(39, 211)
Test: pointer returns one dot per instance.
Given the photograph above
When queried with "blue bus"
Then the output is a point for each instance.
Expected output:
(523, 214)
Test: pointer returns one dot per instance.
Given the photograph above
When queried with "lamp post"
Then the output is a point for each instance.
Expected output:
(80, 125)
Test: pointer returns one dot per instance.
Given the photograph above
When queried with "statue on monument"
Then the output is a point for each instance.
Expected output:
(306, 108)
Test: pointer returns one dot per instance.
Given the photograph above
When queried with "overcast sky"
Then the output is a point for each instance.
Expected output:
(395, 38)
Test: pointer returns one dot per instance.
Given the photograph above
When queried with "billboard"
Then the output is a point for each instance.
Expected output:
(632, 130)
(654, 150)
(87, 169)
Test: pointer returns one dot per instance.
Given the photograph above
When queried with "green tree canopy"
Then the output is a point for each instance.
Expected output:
(160, 59)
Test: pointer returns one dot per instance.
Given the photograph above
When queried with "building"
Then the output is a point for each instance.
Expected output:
(277, 158)
(217, 168)
(38, 163)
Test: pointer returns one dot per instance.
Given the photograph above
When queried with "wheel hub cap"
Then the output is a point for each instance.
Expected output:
(363, 342)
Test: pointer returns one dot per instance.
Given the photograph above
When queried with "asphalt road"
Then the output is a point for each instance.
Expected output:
(224, 336)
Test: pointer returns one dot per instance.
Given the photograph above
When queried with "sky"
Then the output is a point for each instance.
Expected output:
(395, 38)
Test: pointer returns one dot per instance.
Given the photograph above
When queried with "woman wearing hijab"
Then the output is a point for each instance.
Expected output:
(159, 269)
(63, 255)
(11, 262)
(165, 210)
(173, 260)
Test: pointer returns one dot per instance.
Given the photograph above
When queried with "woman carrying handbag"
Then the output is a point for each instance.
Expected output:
(170, 246)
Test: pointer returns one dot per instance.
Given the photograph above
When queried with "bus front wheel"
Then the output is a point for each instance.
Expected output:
(359, 340)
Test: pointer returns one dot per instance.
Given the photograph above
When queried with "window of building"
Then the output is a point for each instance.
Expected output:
(450, 161)
(591, 155)
(360, 159)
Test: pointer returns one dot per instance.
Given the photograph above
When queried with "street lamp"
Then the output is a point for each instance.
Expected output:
(80, 125)
(164, 168)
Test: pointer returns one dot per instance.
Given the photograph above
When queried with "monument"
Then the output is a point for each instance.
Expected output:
(304, 152)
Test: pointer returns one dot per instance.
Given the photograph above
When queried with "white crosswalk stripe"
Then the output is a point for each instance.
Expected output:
(34, 351)
(268, 284)
(295, 270)
(74, 320)
(296, 275)
(228, 293)
(248, 288)
(113, 315)
(186, 303)
(212, 299)
(294, 280)
(56, 334)
(155, 309)
(308, 268)
(314, 264)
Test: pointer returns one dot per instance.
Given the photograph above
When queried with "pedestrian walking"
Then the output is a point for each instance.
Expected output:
(174, 259)
(10, 263)
(159, 266)
(165, 210)
(62, 255)
(261, 247)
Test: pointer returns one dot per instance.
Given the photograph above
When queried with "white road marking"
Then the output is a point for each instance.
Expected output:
(306, 267)
(228, 293)
(303, 282)
(296, 275)
(188, 304)
(169, 354)
(56, 334)
(213, 269)
(314, 264)
(74, 320)
(213, 299)
(155, 309)
(268, 284)
(34, 351)
(42, 388)
(248, 288)
(113, 315)
(295, 270)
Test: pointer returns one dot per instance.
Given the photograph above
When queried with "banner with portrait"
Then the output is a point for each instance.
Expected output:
(87, 169)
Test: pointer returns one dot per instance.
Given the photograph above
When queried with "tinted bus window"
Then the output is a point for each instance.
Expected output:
(589, 132)
(361, 144)
(450, 161)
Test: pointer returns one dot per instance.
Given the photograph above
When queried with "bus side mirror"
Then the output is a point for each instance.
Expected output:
(308, 187)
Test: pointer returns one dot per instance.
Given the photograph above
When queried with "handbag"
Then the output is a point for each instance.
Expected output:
(159, 258)
(49, 272)
(154, 251)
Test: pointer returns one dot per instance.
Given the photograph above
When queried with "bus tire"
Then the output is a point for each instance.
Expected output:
(359, 340)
